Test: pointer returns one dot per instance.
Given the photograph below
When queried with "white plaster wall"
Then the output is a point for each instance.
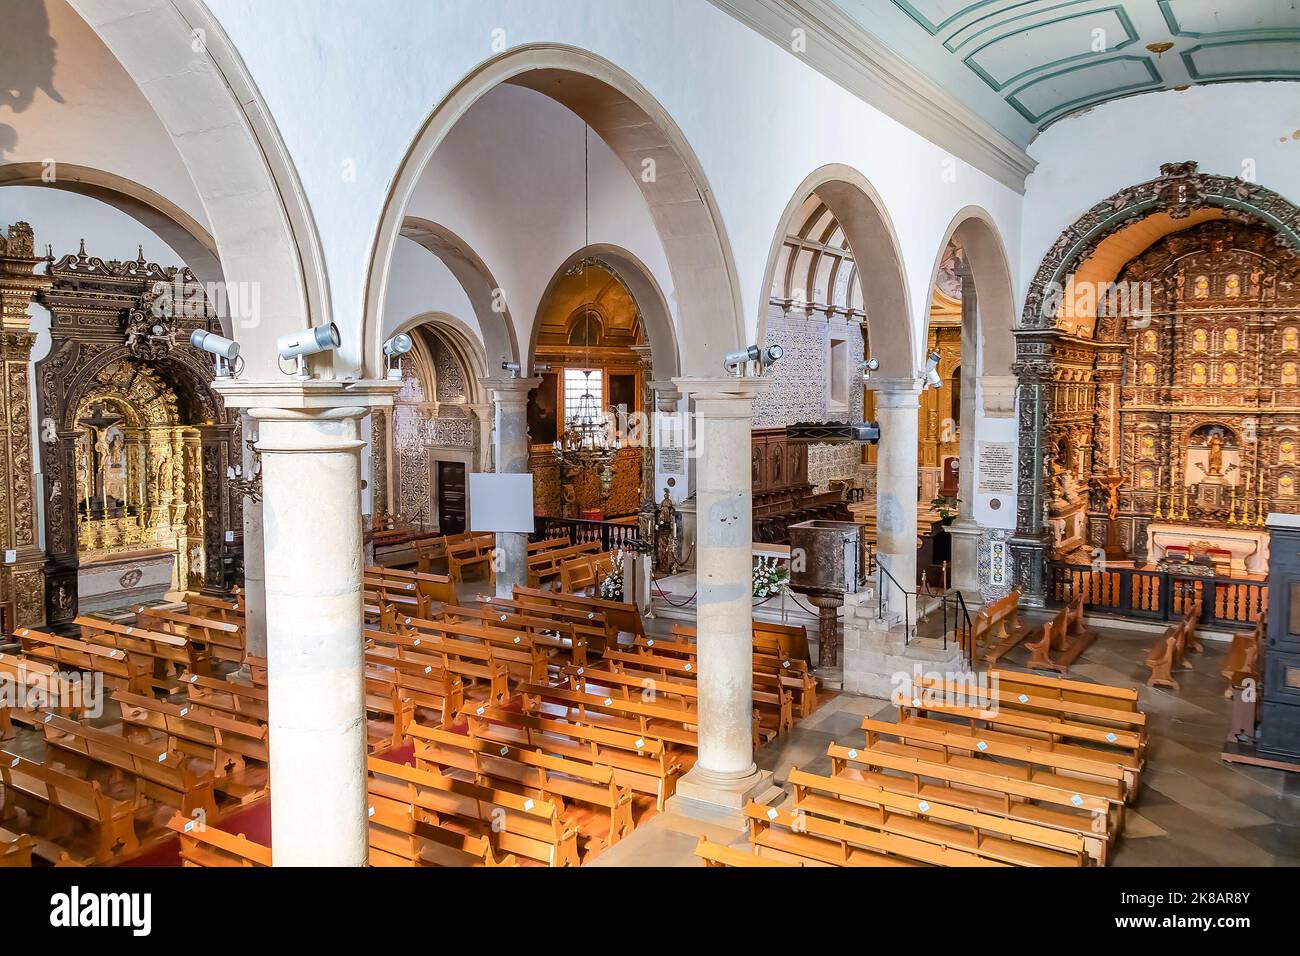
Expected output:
(420, 283)
(508, 180)
(104, 121)
(1225, 127)
(63, 219)
(349, 86)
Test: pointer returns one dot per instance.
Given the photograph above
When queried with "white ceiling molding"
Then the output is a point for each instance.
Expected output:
(841, 50)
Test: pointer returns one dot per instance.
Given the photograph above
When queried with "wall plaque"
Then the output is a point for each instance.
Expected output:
(997, 468)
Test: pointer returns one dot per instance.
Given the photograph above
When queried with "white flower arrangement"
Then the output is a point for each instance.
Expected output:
(611, 586)
(769, 577)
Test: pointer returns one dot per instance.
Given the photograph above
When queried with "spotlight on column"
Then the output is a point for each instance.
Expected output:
(298, 345)
(867, 367)
(931, 373)
(394, 349)
(744, 361)
(515, 369)
(225, 351)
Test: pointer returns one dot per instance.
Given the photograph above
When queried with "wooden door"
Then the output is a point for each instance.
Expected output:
(451, 497)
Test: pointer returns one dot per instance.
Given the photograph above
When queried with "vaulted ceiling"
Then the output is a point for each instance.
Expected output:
(1023, 64)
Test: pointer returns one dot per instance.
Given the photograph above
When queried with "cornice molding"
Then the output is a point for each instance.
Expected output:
(842, 51)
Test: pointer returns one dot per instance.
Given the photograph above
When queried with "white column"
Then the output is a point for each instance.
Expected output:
(254, 598)
(310, 442)
(965, 532)
(510, 396)
(724, 776)
(897, 404)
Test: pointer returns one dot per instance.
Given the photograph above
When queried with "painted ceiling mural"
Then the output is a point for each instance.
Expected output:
(1049, 58)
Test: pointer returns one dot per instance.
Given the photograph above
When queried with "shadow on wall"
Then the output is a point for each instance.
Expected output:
(26, 62)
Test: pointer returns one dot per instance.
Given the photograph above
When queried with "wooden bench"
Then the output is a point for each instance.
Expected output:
(203, 845)
(988, 836)
(419, 679)
(160, 772)
(564, 642)
(530, 772)
(1245, 658)
(1170, 652)
(63, 799)
(120, 668)
(524, 658)
(432, 551)
(224, 741)
(411, 592)
(997, 626)
(673, 724)
(585, 571)
(989, 787)
(480, 550)
(44, 686)
(1064, 638)
(641, 764)
(15, 849)
(715, 854)
(770, 671)
(222, 609)
(516, 824)
(1016, 691)
(171, 653)
(1084, 775)
(546, 565)
(782, 834)
(474, 663)
(615, 617)
(397, 838)
(219, 640)
(228, 696)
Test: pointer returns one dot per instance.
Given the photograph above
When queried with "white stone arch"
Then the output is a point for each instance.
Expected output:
(462, 341)
(878, 260)
(490, 308)
(656, 154)
(986, 256)
(656, 317)
(203, 95)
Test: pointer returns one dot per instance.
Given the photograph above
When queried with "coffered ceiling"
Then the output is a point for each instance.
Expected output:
(1023, 64)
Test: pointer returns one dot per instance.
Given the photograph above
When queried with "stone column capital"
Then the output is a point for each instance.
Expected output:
(722, 388)
(897, 392)
(311, 396)
(506, 390)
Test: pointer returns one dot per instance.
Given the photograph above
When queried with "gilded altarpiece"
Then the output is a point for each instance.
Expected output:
(1207, 428)
(134, 442)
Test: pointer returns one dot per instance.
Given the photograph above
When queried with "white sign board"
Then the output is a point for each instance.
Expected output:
(997, 468)
(501, 502)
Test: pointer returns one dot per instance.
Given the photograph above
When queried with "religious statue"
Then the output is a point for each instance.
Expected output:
(1232, 288)
(1230, 340)
(1201, 287)
(1198, 374)
(1286, 486)
(1216, 455)
(1229, 374)
(1148, 447)
(668, 522)
(1290, 340)
(1065, 487)
(1149, 340)
(1148, 374)
(1200, 340)
(1288, 373)
(1286, 451)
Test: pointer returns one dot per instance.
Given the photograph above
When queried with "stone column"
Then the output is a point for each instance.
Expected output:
(254, 558)
(668, 398)
(483, 417)
(965, 531)
(510, 396)
(22, 579)
(897, 410)
(724, 776)
(646, 366)
(310, 442)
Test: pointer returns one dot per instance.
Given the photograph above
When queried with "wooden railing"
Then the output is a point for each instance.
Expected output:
(612, 535)
(1159, 595)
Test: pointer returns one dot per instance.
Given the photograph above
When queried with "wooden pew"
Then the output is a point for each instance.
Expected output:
(224, 741)
(1016, 691)
(1245, 658)
(170, 652)
(1098, 698)
(585, 571)
(999, 626)
(770, 671)
(783, 834)
(660, 719)
(586, 626)
(547, 565)
(1169, 652)
(562, 638)
(549, 544)
(1085, 775)
(715, 854)
(473, 663)
(230, 697)
(989, 787)
(988, 836)
(161, 772)
(204, 605)
(120, 668)
(397, 838)
(480, 550)
(530, 772)
(1055, 650)
(641, 764)
(423, 681)
(524, 658)
(412, 592)
(44, 686)
(15, 849)
(207, 846)
(525, 826)
(63, 799)
(220, 640)
(616, 617)
(432, 552)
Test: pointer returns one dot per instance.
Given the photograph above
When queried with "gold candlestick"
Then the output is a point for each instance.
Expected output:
(1259, 500)
(1184, 514)
(1160, 477)
(1232, 504)
(1245, 500)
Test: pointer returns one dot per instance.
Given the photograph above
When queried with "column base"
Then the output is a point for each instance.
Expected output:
(719, 798)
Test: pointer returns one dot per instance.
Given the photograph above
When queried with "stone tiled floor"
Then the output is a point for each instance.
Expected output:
(1192, 808)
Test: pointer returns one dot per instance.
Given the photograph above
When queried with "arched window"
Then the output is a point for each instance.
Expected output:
(585, 330)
